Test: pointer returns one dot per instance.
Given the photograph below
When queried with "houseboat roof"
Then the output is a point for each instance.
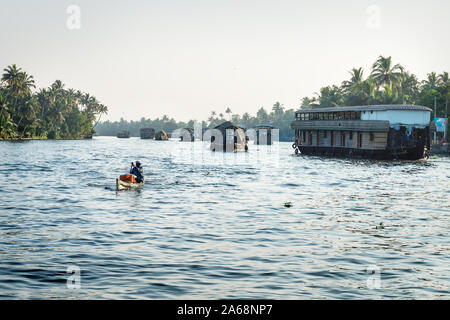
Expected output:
(368, 108)
(264, 126)
(227, 125)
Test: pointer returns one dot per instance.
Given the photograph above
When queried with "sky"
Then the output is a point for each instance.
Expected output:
(186, 58)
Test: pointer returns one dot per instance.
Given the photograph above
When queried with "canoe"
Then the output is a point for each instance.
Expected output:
(122, 185)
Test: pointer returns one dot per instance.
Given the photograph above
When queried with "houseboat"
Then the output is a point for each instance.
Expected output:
(264, 134)
(147, 133)
(162, 136)
(374, 132)
(232, 138)
(123, 135)
(189, 136)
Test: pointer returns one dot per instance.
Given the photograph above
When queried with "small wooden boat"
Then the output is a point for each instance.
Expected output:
(124, 185)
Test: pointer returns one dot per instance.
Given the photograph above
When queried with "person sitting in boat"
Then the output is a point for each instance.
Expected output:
(138, 172)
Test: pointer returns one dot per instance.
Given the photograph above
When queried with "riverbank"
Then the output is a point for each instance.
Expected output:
(40, 139)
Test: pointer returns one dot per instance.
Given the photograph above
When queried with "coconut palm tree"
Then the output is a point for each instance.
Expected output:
(385, 75)
(431, 82)
(229, 112)
(101, 110)
(444, 81)
(356, 79)
(18, 83)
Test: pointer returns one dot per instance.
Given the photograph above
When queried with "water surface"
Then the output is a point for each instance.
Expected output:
(212, 226)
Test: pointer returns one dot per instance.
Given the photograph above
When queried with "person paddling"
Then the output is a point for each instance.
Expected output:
(138, 171)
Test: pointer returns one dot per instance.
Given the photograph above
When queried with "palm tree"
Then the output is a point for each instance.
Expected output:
(431, 82)
(25, 83)
(13, 77)
(101, 110)
(307, 103)
(356, 79)
(444, 83)
(386, 75)
(229, 112)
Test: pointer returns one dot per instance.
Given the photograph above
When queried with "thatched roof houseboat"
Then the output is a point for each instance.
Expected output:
(147, 133)
(190, 137)
(162, 136)
(264, 134)
(229, 137)
(123, 134)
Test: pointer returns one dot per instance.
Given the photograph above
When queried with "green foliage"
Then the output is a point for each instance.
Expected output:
(53, 113)
(386, 84)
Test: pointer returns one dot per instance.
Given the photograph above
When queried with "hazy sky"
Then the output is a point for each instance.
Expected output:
(187, 58)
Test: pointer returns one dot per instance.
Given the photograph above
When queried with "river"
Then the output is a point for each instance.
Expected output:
(214, 226)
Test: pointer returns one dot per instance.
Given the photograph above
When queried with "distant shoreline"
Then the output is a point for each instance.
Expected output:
(41, 139)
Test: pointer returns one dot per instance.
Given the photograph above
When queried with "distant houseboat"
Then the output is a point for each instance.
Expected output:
(123, 134)
(233, 139)
(162, 135)
(375, 132)
(147, 133)
(264, 134)
(190, 137)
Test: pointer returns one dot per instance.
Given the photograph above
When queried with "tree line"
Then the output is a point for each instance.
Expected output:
(278, 117)
(56, 112)
(50, 113)
(386, 84)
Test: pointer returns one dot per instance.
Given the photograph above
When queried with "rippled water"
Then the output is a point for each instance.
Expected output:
(211, 225)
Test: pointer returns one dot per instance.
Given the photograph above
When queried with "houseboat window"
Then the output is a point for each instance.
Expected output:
(325, 134)
(350, 135)
(358, 115)
(347, 116)
(318, 138)
(372, 136)
(316, 116)
(306, 116)
(320, 116)
(335, 116)
(341, 115)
